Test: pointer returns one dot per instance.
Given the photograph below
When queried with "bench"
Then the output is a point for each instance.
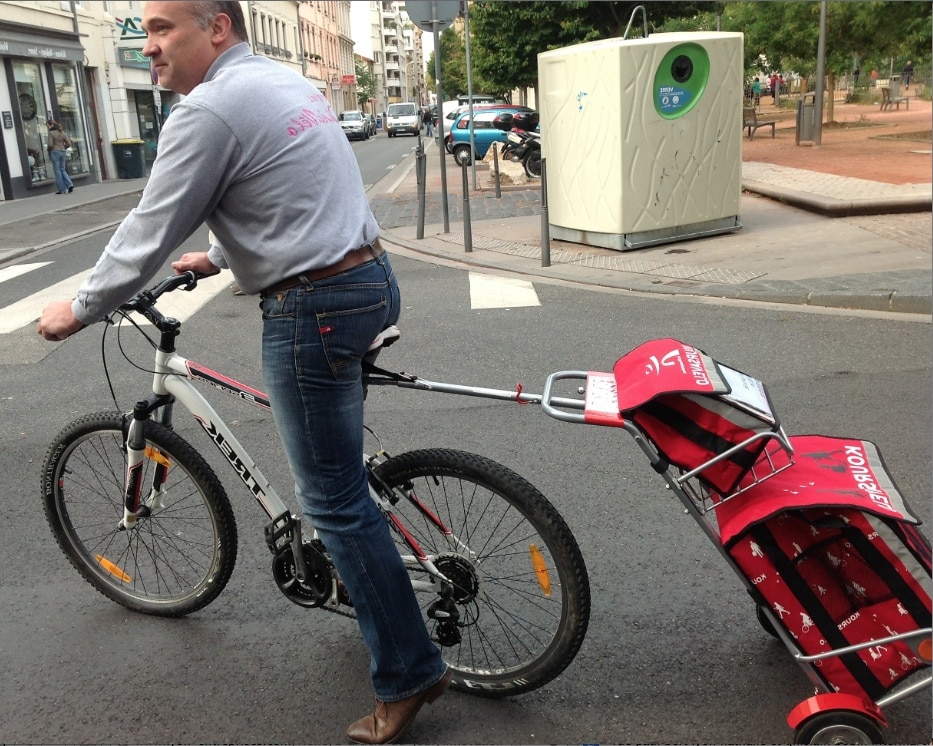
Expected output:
(887, 100)
(751, 122)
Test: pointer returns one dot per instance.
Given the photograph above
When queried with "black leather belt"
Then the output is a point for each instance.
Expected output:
(351, 260)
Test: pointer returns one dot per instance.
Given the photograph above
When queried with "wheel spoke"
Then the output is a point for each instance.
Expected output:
(172, 560)
(514, 637)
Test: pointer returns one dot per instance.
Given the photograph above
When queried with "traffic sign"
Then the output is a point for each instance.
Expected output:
(432, 15)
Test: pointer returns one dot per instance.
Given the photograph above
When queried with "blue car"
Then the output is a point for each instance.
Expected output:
(484, 131)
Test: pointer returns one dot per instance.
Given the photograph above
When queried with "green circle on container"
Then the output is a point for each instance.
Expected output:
(680, 80)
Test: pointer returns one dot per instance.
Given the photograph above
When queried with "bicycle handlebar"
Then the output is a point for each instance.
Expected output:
(147, 298)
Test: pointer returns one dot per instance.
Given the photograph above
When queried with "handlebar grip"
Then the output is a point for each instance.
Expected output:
(147, 298)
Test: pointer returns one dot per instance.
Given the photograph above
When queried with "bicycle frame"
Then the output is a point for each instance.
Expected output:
(172, 382)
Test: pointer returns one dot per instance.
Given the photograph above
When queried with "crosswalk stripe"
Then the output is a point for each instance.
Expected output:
(490, 291)
(8, 273)
(181, 305)
(28, 309)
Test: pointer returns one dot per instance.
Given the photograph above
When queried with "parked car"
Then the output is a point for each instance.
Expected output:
(451, 117)
(353, 124)
(371, 124)
(403, 117)
(484, 131)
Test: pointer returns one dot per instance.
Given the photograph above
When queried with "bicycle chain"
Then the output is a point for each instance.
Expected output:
(350, 614)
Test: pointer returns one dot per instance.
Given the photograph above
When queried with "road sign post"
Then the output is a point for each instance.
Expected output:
(435, 16)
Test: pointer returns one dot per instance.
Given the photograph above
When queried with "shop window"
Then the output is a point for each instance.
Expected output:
(71, 118)
(32, 113)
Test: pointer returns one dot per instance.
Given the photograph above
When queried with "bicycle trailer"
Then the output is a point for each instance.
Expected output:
(814, 526)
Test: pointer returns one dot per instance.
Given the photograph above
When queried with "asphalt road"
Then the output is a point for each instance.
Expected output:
(673, 654)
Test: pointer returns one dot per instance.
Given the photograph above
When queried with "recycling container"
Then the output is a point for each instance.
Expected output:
(643, 138)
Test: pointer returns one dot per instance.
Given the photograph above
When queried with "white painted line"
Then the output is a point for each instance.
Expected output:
(401, 178)
(490, 291)
(180, 304)
(29, 309)
(9, 273)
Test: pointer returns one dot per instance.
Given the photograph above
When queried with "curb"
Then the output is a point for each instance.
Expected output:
(887, 301)
(839, 208)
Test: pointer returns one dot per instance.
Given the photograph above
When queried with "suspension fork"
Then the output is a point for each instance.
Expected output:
(136, 454)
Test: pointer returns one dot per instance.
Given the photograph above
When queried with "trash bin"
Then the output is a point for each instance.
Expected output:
(806, 118)
(130, 157)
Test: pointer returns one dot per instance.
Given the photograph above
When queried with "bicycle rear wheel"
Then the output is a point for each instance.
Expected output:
(520, 582)
(176, 560)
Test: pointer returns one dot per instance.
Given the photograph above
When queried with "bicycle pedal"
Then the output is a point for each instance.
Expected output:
(279, 533)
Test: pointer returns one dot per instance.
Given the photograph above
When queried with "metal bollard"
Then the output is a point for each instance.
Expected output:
(495, 168)
(467, 228)
(420, 172)
(545, 221)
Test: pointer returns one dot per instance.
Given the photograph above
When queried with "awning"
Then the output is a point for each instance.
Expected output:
(18, 40)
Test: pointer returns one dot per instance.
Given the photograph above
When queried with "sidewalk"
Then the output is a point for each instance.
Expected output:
(811, 236)
(824, 235)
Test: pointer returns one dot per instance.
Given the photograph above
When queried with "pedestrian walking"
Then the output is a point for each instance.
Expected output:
(59, 146)
(908, 73)
(428, 119)
(309, 248)
(874, 77)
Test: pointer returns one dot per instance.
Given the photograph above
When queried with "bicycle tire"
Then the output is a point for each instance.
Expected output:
(515, 637)
(171, 563)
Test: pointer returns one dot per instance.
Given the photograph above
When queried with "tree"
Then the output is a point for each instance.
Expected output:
(453, 67)
(786, 34)
(508, 36)
(365, 85)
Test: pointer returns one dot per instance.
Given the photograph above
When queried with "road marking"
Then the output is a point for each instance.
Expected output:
(180, 304)
(28, 309)
(491, 291)
(9, 273)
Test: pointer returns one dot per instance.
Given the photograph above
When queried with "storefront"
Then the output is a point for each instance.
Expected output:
(148, 104)
(42, 79)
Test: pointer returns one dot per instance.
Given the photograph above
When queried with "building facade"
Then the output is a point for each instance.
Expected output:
(398, 59)
(328, 51)
(80, 62)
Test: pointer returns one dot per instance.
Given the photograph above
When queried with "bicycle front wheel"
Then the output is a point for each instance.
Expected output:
(520, 583)
(173, 561)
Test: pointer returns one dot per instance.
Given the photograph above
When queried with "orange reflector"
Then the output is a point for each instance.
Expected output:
(154, 455)
(925, 649)
(112, 568)
(537, 561)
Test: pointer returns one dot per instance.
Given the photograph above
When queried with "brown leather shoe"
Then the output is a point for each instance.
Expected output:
(391, 718)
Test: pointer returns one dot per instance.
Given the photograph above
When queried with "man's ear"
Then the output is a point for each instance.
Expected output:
(220, 28)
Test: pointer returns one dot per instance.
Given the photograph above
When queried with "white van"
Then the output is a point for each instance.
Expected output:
(404, 117)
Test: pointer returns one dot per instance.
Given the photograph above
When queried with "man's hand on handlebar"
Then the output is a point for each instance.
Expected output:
(195, 261)
(58, 322)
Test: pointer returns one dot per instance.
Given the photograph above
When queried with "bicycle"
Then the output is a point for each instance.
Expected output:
(144, 519)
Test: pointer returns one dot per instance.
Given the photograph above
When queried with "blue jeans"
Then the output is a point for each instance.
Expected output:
(62, 179)
(313, 341)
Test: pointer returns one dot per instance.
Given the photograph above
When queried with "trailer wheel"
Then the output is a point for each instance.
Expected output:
(765, 623)
(839, 727)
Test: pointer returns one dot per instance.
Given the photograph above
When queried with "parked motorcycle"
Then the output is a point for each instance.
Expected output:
(524, 143)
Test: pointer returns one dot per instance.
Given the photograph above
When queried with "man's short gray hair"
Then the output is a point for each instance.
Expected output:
(205, 11)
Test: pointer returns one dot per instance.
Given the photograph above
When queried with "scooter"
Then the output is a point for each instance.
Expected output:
(524, 144)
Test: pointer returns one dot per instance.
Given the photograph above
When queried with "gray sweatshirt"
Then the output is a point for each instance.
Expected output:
(256, 152)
